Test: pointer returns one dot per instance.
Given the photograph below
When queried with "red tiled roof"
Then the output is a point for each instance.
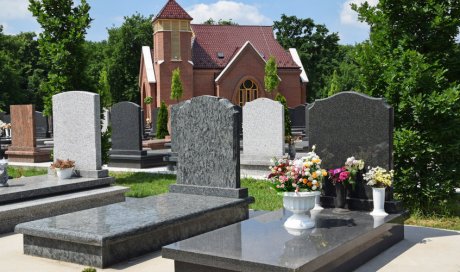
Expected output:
(228, 39)
(172, 10)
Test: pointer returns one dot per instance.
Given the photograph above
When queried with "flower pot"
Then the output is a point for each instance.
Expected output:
(378, 196)
(65, 173)
(318, 206)
(299, 203)
(340, 195)
(8, 132)
(291, 151)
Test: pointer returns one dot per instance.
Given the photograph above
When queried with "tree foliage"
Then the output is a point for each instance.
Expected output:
(271, 78)
(61, 44)
(162, 121)
(317, 49)
(211, 21)
(123, 55)
(287, 117)
(408, 61)
(176, 85)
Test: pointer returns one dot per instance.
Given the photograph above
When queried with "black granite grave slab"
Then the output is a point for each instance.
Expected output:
(22, 189)
(337, 243)
(114, 233)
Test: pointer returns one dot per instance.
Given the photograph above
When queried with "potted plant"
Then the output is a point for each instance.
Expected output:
(379, 178)
(299, 181)
(64, 168)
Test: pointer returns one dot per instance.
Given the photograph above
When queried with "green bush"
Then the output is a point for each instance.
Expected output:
(162, 122)
(287, 118)
(89, 269)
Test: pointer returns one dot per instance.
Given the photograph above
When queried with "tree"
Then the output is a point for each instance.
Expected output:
(317, 49)
(271, 78)
(407, 61)
(211, 21)
(104, 90)
(176, 85)
(287, 118)
(61, 44)
(345, 74)
(162, 121)
(123, 54)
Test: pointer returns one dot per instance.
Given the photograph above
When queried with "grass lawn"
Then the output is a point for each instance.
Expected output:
(146, 184)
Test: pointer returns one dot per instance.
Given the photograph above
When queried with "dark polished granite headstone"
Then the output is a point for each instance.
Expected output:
(297, 115)
(41, 125)
(127, 129)
(114, 233)
(337, 243)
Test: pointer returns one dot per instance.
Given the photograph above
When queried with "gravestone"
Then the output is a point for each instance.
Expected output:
(263, 128)
(126, 118)
(307, 121)
(3, 173)
(41, 125)
(23, 143)
(297, 115)
(353, 124)
(206, 135)
(77, 131)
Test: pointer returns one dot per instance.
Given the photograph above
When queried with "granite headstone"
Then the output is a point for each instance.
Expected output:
(352, 124)
(297, 115)
(41, 125)
(3, 173)
(206, 135)
(263, 128)
(77, 131)
(126, 126)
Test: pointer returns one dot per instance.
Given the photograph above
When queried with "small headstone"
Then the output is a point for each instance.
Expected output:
(297, 115)
(352, 124)
(263, 128)
(77, 131)
(41, 125)
(206, 135)
(126, 126)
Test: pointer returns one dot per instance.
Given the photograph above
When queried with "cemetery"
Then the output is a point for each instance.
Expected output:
(213, 151)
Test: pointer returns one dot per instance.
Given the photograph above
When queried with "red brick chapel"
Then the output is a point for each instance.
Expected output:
(221, 60)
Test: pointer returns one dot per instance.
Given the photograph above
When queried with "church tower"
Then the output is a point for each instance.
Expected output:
(172, 38)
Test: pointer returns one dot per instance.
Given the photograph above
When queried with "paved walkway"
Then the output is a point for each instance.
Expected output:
(423, 249)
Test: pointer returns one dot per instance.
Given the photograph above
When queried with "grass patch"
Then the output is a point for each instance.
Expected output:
(17, 172)
(447, 222)
(144, 184)
(266, 198)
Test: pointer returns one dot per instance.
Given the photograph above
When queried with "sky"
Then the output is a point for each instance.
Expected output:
(335, 14)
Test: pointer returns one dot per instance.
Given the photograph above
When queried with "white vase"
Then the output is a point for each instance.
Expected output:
(8, 132)
(318, 206)
(299, 203)
(65, 173)
(378, 196)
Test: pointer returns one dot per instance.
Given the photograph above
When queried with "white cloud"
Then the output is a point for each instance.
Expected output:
(349, 16)
(239, 13)
(14, 9)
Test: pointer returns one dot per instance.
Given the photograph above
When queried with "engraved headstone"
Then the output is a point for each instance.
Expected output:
(297, 115)
(205, 131)
(263, 128)
(77, 131)
(126, 126)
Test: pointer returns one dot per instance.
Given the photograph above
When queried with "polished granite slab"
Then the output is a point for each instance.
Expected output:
(114, 233)
(21, 189)
(339, 242)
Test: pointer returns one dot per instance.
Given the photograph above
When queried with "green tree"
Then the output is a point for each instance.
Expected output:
(287, 117)
(162, 121)
(271, 78)
(345, 74)
(61, 44)
(123, 53)
(211, 21)
(407, 61)
(96, 62)
(176, 85)
(317, 48)
(104, 90)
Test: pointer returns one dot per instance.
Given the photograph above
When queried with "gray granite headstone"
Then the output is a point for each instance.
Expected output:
(3, 173)
(307, 120)
(263, 128)
(126, 126)
(352, 124)
(205, 132)
(41, 125)
(77, 131)
(297, 115)
(174, 136)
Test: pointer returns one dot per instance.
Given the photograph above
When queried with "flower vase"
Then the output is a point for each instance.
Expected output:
(8, 132)
(291, 151)
(340, 198)
(378, 197)
(64, 173)
(299, 203)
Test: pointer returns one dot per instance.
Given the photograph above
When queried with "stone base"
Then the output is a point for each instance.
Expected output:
(139, 161)
(155, 144)
(107, 235)
(36, 155)
(103, 173)
(358, 204)
(337, 243)
(209, 191)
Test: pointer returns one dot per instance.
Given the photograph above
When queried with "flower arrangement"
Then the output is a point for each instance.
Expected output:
(378, 177)
(304, 174)
(62, 164)
(347, 173)
(6, 126)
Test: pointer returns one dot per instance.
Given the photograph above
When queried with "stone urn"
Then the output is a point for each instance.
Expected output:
(378, 196)
(299, 203)
(64, 173)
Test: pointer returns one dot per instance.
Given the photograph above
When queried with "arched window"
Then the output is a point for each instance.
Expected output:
(248, 92)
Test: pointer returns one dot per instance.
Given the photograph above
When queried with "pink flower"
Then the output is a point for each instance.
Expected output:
(344, 176)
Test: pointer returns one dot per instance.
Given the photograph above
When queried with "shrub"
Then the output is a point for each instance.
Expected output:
(162, 122)
(287, 118)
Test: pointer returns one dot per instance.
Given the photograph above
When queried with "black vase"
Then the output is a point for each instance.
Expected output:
(340, 195)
